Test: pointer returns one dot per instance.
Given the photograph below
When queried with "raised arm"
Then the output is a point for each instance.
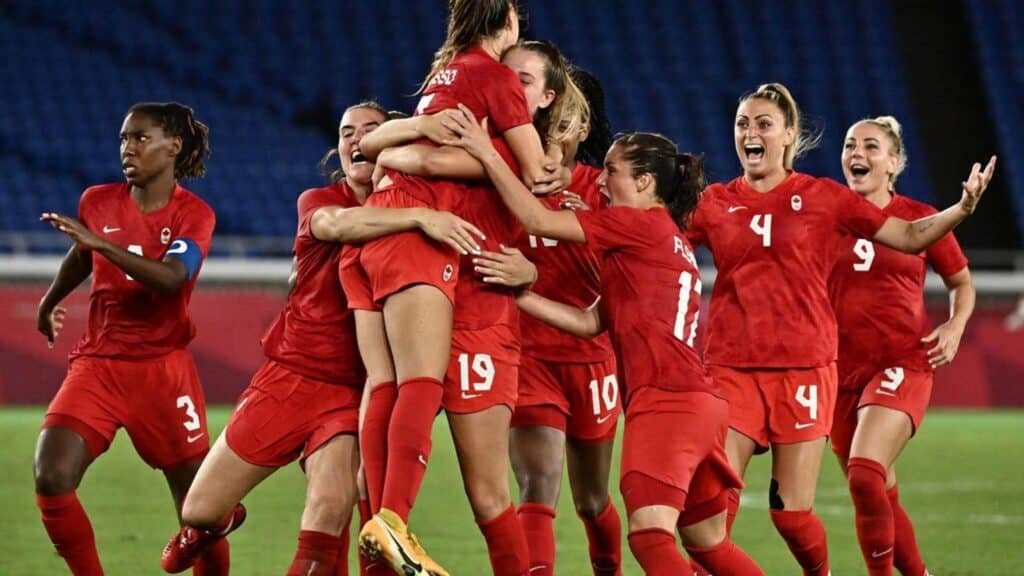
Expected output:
(536, 218)
(914, 237)
(74, 269)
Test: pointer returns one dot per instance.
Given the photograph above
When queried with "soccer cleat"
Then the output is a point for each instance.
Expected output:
(386, 538)
(185, 547)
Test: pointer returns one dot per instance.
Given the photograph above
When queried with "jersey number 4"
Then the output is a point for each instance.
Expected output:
(761, 224)
(686, 331)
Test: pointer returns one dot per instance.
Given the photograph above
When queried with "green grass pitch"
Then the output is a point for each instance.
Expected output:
(962, 480)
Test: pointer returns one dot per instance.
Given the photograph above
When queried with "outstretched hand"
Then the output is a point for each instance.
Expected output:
(74, 229)
(976, 184)
(50, 322)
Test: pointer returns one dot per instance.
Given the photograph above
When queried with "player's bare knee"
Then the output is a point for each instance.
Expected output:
(540, 488)
(488, 499)
(781, 498)
(198, 512)
(55, 478)
(704, 534)
(591, 503)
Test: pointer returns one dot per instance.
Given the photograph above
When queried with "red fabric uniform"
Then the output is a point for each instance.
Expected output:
(484, 367)
(308, 391)
(563, 379)
(490, 90)
(877, 294)
(131, 368)
(770, 309)
(646, 265)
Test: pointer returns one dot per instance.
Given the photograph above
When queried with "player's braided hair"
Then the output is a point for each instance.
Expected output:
(179, 120)
(679, 177)
(806, 139)
(592, 150)
(469, 22)
(569, 111)
(336, 175)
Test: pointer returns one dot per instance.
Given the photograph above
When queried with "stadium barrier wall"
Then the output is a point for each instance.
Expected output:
(237, 301)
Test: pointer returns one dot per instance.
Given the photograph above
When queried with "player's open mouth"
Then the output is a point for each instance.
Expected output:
(358, 157)
(129, 168)
(754, 152)
(859, 170)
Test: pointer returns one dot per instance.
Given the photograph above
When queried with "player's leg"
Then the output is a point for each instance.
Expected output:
(418, 321)
(595, 407)
(61, 459)
(481, 444)
(708, 542)
(330, 495)
(378, 401)
(80, 423)
(881, 435)
(795, 469)
(207, 494)
(537, 454)
(590, 463)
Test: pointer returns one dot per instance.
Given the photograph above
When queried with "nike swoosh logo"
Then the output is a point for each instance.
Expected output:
(735, 208)
(422, 460)
(192, 439)
(108, 229)
(470, 396)
(882, 553)
(604, 418)
(416, 566)
(885, 393)
(801, 426)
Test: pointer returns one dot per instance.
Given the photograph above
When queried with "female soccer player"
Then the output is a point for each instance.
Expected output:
(887, 353)
(304, 400)
(143, 241)
(674, 469)
(481, 383)
(771, 340)
(413, 279)
(567, 385)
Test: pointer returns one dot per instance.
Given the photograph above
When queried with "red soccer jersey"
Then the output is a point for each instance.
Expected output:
(774, 252)
(877, 293)
(650, 297)
(315, 334)
(127, 320)
(488, 88)
(566, 272)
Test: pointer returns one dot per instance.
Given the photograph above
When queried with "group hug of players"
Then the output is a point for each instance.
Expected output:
(410, 273)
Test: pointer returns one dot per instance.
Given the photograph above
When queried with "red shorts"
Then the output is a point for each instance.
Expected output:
(673, 450)
(354, 280)
(159, 402)
(779, 406)
(900, 389)
(581, 400)
(395, 262)
(282, 416)
(483, 371)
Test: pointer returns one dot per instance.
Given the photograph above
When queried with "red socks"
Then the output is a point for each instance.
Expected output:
(538, 527)
(604, 532)
(409, 443)
(216, 561)
(316, 554)
(71, 533)
(656, 551)
(805, 535)
(725, 559)
(875, 526)
(341, 562)
(373, 439)
(506, 544)
(907, 556)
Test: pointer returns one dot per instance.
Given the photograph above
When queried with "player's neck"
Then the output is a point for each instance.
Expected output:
(767, 182)
(490, 45)
(880, 197)
(361, 191)
(155, 194)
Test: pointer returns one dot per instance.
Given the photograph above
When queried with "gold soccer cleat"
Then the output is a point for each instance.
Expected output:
(385, 537)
